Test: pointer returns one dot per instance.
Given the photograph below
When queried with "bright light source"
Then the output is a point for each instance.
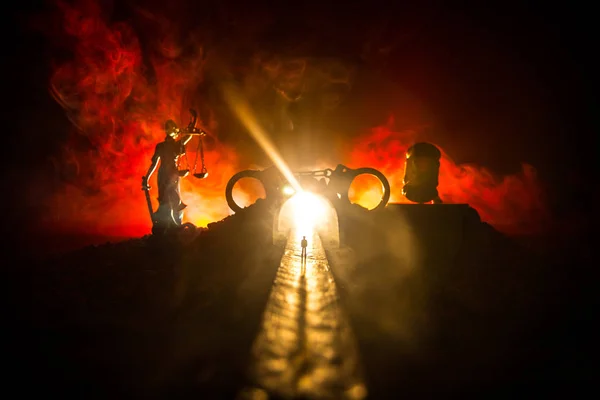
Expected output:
(308, 209)
(288, 190)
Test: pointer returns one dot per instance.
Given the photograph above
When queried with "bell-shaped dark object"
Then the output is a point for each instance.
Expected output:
(201, 175)
(421, 174)
(183, 173)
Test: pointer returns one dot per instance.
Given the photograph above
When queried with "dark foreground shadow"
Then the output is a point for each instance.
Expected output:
(439, 303)
(144, 318)
(444, 304)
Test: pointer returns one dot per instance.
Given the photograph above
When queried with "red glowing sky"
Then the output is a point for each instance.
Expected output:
(110, 99)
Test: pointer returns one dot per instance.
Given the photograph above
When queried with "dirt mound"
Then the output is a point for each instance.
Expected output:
(441, 302)
(146, 316)
(438, 301)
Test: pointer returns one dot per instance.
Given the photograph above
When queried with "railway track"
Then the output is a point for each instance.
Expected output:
(306, 348)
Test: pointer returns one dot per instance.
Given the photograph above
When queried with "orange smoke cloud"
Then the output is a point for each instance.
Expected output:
(513, 204)
(120, 108)
(108, 97)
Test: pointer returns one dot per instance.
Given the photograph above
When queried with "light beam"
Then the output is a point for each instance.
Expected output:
(242, 109)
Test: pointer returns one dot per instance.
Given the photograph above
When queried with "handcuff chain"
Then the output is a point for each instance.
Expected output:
(321, 172)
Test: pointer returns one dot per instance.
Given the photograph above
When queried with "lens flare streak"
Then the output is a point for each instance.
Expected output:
(242, 109)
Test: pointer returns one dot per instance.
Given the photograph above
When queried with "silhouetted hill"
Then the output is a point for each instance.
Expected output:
(439, 303)
(443, 303)
(144, 317)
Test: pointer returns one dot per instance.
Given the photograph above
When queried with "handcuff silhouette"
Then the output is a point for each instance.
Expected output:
(336, 189)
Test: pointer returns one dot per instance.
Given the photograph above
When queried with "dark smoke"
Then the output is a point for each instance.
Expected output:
(313, 74)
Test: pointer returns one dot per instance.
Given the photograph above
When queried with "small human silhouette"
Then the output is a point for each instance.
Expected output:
(303, 244)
